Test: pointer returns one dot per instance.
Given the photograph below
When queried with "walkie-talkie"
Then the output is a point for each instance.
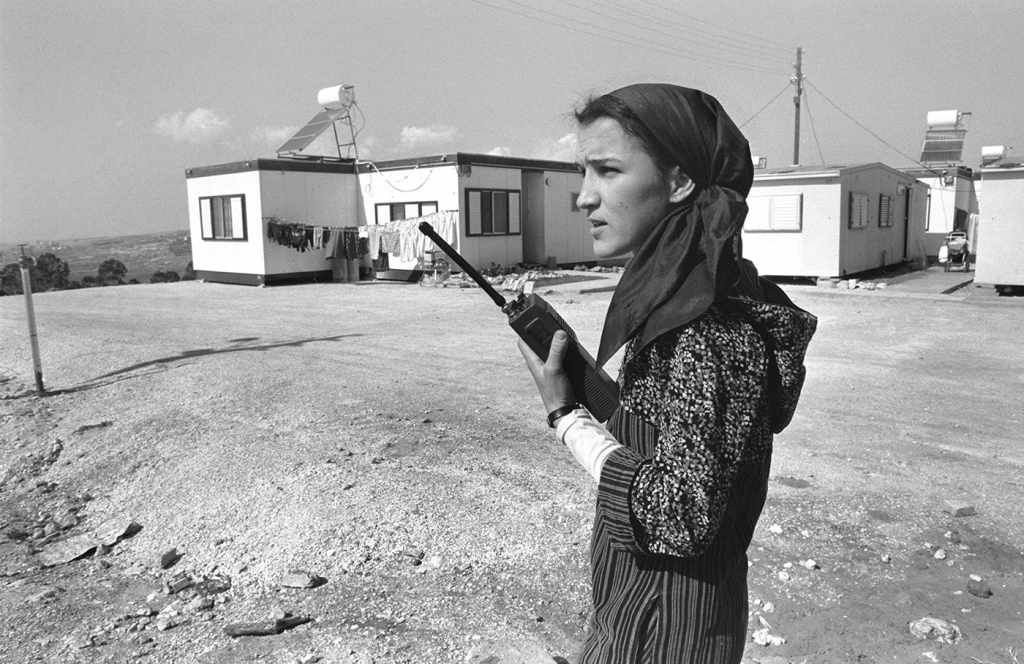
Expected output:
(536, 321)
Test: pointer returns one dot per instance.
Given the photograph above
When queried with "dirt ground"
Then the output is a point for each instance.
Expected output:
(386, 440)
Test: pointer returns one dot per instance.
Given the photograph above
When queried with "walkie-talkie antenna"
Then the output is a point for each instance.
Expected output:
(428, 230)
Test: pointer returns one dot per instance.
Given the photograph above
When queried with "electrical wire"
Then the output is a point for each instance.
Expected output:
(700, 53)
(770, 102)
(430, 171)
(739, 33)
(629, 41)
(673, 50)
(712, 41)
(814, 132)
(877, 137)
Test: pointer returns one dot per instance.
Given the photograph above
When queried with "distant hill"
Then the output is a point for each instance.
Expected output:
(141, 254)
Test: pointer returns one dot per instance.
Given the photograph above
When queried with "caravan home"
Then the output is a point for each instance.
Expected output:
(830, 221)
(507, 210)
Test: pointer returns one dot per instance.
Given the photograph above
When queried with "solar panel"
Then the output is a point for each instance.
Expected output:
(943, 146)
(318, 125)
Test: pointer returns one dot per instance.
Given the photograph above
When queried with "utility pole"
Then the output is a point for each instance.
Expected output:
(798, 81)
(26, 287)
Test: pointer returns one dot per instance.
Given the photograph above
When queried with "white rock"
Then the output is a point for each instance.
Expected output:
(762, 637)
(936, 629)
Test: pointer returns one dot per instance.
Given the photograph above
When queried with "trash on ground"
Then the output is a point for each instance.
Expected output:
(265, 627)
(978, 587)
(935, 628)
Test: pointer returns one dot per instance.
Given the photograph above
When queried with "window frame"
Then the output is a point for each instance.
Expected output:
(391, 204)
(490, 192)
(771, 199)
(860, 225)
(212, 236)
(885, 220)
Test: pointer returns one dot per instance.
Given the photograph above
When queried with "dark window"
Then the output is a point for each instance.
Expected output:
(386, 212)
(223, 217)
(486, 214)
(500, 212)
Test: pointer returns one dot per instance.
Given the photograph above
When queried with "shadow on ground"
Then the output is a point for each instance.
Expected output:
(163, 363)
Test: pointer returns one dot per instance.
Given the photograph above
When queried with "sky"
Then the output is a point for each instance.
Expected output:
(104, 104)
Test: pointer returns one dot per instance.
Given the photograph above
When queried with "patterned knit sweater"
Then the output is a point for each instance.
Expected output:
(715, 390)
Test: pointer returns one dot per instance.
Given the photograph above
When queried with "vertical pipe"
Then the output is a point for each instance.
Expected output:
(26, 287)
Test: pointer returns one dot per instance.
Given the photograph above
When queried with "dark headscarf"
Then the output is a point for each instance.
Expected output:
(692, 258)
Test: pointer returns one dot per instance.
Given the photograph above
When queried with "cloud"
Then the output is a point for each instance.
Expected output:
(271, 137)
(562, 149)
(198, 126)
(418, 137)
(500, 151)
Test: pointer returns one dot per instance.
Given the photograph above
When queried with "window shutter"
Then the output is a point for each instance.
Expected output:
(474, 227)
(786, 212)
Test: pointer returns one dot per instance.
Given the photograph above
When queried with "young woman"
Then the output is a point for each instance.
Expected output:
(713, 367)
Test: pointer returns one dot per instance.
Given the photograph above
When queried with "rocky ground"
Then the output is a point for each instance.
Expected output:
(361, 473)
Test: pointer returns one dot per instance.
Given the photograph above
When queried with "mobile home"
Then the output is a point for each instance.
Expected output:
(829, 221)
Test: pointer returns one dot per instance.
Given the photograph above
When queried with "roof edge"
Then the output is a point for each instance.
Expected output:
(279, 164)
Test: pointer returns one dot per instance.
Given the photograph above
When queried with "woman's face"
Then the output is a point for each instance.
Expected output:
(624, 193)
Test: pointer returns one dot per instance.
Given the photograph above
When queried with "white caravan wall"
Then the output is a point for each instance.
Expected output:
(1000, 241)
(317, 199)
(227, 255)
(811, 252)
(411, 185)
(481, 251)
(566, 232)
(872, 246)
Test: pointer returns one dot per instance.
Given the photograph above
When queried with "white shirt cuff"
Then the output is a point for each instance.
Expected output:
(588, 440)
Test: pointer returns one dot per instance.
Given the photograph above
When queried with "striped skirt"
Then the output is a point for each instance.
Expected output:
(659, 609)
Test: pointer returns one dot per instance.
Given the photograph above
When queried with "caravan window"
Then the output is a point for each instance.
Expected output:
(386, 212)
(493, 212)
(857, 215)
(884, 210)
(777, 212)
(223, 217)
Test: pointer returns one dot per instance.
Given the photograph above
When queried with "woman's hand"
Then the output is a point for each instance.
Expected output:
(552, 381)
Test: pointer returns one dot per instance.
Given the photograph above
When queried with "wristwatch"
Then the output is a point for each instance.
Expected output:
(561, 411)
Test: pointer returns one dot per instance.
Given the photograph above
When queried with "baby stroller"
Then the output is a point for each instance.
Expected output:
(955, 252)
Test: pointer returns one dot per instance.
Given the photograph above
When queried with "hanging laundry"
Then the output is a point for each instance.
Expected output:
(331, 245)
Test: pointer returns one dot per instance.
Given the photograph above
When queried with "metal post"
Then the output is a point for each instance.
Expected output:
(798, 80)
(26, 287)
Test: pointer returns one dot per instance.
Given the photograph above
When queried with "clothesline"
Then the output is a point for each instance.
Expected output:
(402, 238)
(335, 241)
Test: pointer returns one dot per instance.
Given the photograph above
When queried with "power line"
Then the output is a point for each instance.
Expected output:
(877, 137)
(673, 49)
(737, 33)
(814, 132)
(770, 101)
(712, 40)
(630, 41)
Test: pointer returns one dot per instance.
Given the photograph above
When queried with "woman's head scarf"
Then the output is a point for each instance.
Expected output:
(692, 258)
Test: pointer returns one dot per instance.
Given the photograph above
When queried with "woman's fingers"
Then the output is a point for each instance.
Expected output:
(552, 382)
(556, 354)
